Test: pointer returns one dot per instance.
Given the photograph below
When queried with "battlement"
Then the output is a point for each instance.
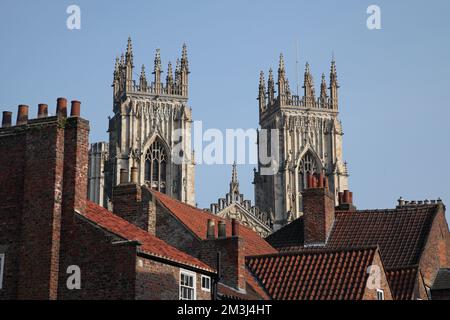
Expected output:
(269, 98)
(176, 83)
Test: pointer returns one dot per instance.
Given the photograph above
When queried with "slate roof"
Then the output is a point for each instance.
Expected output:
(314, 274)
(400, 233)
(442, 281)
(150, 244)
(196, 220)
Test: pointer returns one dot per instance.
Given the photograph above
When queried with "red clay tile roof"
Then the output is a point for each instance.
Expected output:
(196, 219)
(150, 244)
(400, 233)
(253, 291)
(402, 282)
(318, 274)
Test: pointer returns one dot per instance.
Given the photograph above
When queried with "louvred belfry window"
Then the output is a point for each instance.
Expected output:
(156, 166)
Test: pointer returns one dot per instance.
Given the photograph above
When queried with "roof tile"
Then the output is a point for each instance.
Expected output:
(149, 243)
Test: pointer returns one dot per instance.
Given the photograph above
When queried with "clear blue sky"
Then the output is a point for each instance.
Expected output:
(395, 97)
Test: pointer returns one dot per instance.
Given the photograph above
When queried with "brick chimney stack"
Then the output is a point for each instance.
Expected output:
(345, 201)
(133, 202)
(318, 210)
(45, 184)
(231, 249)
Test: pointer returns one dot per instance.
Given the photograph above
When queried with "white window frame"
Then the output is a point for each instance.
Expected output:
(209, 281)
(2, 268)
(380, 293)
(194, 282)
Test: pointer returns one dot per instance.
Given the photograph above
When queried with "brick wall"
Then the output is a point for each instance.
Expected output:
(436, 253)
(160, 281)
(12, 157)
(32, 156)
(371, 293)
(136, 205)
(107, 270)
(232, 259)
(172, 231)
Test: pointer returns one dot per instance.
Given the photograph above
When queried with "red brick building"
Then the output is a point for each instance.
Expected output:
(54, 244)
(413, 240)
(218, 242)
(49, 232)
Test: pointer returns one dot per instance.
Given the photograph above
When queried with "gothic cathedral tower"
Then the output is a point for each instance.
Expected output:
(151, 127)
(309, 142)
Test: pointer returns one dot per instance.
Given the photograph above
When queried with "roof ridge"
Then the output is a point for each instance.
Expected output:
(316, 251)
(388, 210)
(196, 263)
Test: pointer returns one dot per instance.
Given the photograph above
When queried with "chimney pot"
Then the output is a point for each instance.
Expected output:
(325, 182)
(6, 120)
(42, 110)
(134, 175)
(346, 197)
(75, 108)
(308, 181)
(123, 176)
(341, 198)
(234, 228)
(222, 230)
(210, 232)
(22, 115)
(61, 107)
(321, 182)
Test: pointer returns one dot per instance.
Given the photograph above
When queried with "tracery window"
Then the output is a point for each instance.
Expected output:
(307, 165)
(156, 166)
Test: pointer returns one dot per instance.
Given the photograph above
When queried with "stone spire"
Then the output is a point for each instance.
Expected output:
(129, 66)
(143, 80)
(271, 87)
(323, 91)
(262, 93)
(157, 70)
(122, 60)
(234, 184)
(184, 58)
(116, 77)
(177, 75)
(129, 54)
(310, 95)
(334, 86)
(184, 71)
(281, 81)
(169, 79)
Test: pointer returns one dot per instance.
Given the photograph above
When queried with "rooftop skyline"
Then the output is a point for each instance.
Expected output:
(394, 100)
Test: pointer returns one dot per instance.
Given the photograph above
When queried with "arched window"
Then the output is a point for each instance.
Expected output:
(308, 165)
(155, 166)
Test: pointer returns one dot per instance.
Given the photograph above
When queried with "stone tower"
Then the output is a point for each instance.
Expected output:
(151, 128)
(309, 141)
